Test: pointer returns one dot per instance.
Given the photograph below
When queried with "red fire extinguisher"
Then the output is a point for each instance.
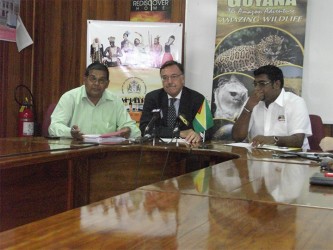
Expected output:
(25, 120)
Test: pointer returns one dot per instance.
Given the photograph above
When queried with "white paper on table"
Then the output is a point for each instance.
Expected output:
(179, 140)
(102, 139)
(265, 146)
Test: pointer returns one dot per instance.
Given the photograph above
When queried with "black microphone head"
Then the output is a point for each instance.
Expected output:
(157, 113)
(147, 136)
(176, 129)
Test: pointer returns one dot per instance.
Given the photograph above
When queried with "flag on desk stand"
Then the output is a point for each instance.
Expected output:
(203, 119)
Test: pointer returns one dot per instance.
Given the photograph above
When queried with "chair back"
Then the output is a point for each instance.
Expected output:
(318, 132)
(47, 119)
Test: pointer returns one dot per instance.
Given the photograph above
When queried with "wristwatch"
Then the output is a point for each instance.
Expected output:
(276, 139)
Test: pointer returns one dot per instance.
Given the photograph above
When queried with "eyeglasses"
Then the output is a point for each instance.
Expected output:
(94, 80)
(260, 84)
(172, 77)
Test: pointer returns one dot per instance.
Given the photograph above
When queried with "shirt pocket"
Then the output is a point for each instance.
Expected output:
(280, 125)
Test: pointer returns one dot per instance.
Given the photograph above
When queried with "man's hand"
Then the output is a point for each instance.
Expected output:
(125, 132)
(76, 133)
(255, 98)
(190, 136)
(260, 140)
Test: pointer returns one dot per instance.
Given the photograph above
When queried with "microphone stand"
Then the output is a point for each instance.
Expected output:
(203, 135)
(175, 130)
(154, 136)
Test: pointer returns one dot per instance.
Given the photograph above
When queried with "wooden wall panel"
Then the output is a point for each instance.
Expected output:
(15, 69)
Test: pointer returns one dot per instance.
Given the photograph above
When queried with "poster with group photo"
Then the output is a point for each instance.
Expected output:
(133, 52)
(251, 34)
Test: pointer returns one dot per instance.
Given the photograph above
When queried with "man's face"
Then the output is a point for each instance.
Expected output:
(96, 82)
(112, 43)
(266, 88)
(173, 80)
(136, 42)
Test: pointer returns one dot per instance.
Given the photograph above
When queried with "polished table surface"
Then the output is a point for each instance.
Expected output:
(40, 177)
(160, 220)
(272, 182)
(253, 202)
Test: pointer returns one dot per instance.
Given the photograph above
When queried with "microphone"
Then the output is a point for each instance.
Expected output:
(180, 119)
(157, 114)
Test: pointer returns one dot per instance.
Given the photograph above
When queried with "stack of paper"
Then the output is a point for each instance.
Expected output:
(113, 137)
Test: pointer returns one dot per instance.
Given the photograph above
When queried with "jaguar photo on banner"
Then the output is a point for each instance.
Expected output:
(251, 34)
(134, 53)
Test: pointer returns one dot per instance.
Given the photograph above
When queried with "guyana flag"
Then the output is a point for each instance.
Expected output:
(203, 119)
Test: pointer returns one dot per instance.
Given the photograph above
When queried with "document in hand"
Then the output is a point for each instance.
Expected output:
(113, 137)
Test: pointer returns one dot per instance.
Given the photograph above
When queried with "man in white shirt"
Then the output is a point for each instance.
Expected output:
(271, 115)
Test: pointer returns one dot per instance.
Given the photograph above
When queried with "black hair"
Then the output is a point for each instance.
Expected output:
(170, 63)
(97, 66)
(273, 73)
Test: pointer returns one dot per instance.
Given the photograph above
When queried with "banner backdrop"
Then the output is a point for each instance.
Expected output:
(133, 52)
(250, 34)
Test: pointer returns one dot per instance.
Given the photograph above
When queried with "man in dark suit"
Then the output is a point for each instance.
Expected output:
(186, 103)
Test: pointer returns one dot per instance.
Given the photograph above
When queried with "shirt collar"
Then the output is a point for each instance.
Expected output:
(177, 97)
(106, 95)
(279, 100)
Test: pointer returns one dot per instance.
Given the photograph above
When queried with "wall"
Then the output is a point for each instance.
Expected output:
(56, 61)
(200, 45)
(318, 59)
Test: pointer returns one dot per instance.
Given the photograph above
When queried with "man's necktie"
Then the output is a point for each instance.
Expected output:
(172, 116)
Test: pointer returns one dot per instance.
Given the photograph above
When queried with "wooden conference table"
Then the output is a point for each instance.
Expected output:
(161, 197)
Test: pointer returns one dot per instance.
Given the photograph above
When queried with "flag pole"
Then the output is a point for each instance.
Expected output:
(204, 136)
(203, 140)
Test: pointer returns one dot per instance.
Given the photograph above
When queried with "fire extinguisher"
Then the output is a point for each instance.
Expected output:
(25, 120)
(26, 116)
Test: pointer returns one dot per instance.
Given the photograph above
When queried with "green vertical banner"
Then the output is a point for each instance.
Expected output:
(251, 34)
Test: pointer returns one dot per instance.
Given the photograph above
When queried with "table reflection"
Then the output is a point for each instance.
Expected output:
(269, 181)
(284, 183)
(131, 212)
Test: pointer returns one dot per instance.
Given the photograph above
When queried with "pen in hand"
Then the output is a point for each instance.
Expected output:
(76, 133)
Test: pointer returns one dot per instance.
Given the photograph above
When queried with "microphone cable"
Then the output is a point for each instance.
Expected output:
(138, 168)
(165, 164)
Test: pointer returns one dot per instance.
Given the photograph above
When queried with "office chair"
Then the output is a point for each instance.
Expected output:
(318, 132)
(47, 119)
